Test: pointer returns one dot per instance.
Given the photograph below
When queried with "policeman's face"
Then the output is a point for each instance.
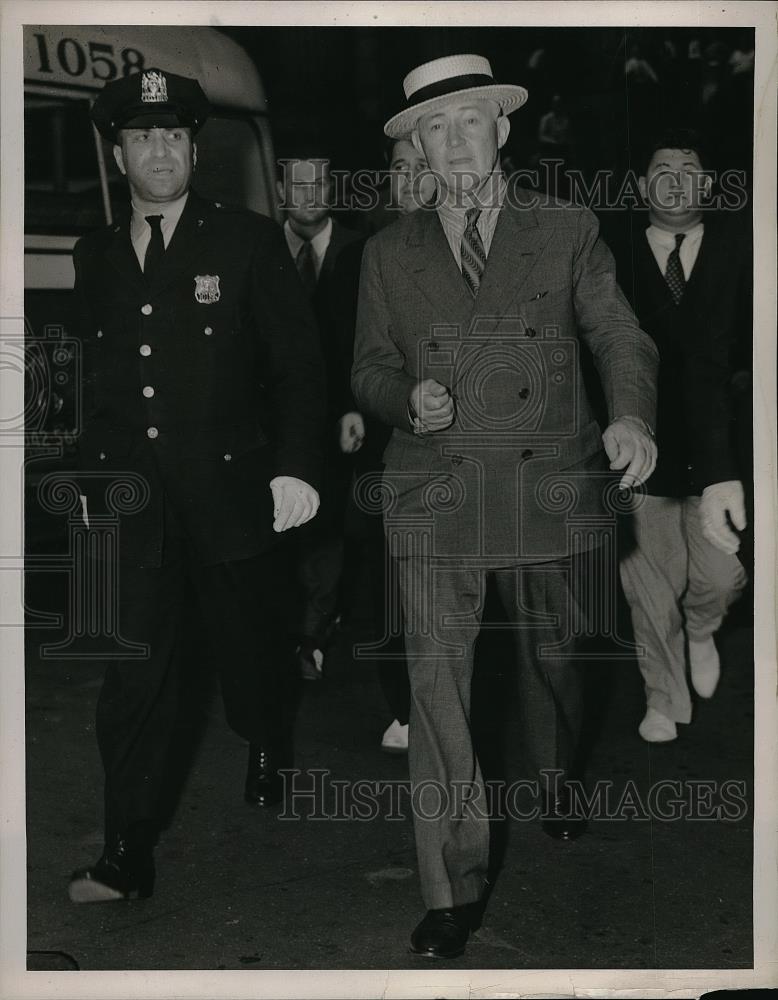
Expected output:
(157, 162)
(461, 140)
(675, 185)
(406, 166)
(305, 191)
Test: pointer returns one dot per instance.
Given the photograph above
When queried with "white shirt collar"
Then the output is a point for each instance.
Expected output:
(170, 212)
(319, 243)
(667, 239)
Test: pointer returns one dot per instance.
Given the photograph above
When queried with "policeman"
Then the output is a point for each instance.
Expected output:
(203, 400)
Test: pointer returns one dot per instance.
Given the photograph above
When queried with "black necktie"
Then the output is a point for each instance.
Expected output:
(472, 252)
(306, 267)
(155, 251)
(674, 272)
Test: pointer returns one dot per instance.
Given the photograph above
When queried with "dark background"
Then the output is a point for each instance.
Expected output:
(333, 88)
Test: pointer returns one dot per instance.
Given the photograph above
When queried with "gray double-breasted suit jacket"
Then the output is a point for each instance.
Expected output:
(524, 454)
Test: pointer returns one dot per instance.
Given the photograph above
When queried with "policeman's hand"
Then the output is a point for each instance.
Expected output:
(294, 502)
(717, 501)
(432, 407)
(351, 432)
(629, 446)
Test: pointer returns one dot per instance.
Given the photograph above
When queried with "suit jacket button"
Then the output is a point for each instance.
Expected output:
(433, 345)
(456, 459)
(531, 332)
(527, 453)
(523, 393)
(152, 432)
(147, 310)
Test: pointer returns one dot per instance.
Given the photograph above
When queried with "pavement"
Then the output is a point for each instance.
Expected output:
(324, 884)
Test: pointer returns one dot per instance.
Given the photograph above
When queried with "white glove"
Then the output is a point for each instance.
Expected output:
(718, 500)
(294, 502)
(351, 432)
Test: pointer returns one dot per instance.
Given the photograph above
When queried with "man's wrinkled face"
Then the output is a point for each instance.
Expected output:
(158, 162)
(306, 191)
(675, 184)
(406, 166)
(461, 140)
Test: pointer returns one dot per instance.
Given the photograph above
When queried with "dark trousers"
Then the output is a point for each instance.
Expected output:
(242, 606)
(545, 605)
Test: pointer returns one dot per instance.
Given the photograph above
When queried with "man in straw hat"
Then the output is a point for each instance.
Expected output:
(470, 320)
(194, 327)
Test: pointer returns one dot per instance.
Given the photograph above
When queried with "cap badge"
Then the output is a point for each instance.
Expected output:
(207, 288)
(153, 87)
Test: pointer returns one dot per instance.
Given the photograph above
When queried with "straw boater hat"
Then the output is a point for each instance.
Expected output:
(431, 84)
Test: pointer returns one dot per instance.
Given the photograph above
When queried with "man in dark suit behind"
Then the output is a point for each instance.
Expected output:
(194, 328)
(688, 278)
(315, 241)
(467, 344)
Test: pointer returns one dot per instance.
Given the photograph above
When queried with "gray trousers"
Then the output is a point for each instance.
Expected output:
(443, 609)
(679, 587)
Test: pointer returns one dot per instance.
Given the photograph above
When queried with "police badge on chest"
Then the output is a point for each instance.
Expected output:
(207, 288)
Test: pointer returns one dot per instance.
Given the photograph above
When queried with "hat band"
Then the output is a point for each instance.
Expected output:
(448, 86)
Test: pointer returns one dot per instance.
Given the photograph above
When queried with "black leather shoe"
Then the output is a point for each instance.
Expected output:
(562, 819)
(442, 933)
(125, 871)
(264, 785)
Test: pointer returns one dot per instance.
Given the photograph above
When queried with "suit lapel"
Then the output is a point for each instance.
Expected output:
(121, 255)
(428, 260)
(517, 246)
(185, 244)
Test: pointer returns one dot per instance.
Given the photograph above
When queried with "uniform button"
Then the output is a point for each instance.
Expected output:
(152, 432)
(147, 310)
(228, 457)
(527, 453)
(456, 459)
(99, 333)
(145, 350)
(523, 393)
(102, 456)
(208, 331)
(148, 391)
(531, 332)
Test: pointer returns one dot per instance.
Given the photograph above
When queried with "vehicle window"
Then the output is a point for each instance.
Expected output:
(62, 183)
(230, 165)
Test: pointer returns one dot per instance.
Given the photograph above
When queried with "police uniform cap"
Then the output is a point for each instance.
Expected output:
(149, 99)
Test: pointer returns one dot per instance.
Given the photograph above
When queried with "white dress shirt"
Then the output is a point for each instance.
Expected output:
(491, 197)
(140, 230)
(662, 244)
(319, 243)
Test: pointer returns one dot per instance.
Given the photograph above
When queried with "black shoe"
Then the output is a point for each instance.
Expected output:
(562, 819)
(442, 933)
(125, 871)
(264, 785)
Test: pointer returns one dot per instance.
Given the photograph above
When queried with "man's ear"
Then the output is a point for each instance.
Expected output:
(194, 154)
(281, 192)
(643, 188)
(417, 142)
(118, 155)
(503, 130)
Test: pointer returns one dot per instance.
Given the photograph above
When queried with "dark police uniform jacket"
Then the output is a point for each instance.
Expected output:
(199, 386)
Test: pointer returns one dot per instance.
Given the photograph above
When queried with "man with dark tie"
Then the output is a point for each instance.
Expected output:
(469, 319)
(194, 329)
(688, 278)
(315, 241)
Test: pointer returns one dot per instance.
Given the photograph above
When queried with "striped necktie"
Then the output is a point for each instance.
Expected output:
(674, 271)
(472, 252)
(155, 251)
